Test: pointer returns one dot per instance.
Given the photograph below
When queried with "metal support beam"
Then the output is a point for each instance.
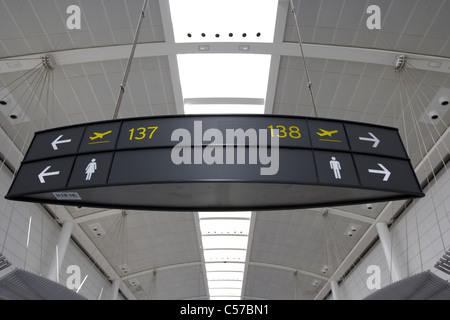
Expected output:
(58, 257)
(346, 214)
(290, 269)
(335, 290)
(159, 269)
(318, 51)
(115, 289)
(391, 257)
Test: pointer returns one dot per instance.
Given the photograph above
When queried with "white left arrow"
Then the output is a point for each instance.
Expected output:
(385, 171)
(44, 173)
(374, 139)
(57, 141)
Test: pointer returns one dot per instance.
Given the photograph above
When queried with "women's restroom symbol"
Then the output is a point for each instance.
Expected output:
(90, 169)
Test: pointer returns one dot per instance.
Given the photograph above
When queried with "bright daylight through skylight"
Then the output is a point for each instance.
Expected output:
(223, 20)
(227, 76)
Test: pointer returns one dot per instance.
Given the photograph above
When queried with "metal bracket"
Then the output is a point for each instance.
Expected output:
(399, 62)
(49, 62)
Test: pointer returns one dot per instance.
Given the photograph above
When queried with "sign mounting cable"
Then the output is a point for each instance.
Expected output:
(130, 60)
(303, 59)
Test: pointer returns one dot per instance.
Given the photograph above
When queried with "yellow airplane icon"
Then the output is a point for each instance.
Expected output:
(326, 133)
(100, 135)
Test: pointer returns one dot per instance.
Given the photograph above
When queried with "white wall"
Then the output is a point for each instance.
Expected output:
(14, 221)
(419, 238)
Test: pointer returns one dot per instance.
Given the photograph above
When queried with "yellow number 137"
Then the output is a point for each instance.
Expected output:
(141, 133)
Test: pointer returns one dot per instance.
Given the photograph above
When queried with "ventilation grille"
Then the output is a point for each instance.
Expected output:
(23, 285)
(422, 286)
(444, 263)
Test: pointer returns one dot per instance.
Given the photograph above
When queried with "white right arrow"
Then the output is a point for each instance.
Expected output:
(385, 171)
(57, 141)
(374, 139)
(44, 173)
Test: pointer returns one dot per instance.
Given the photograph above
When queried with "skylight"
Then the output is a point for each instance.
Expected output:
(216, 83)
(224, 241)
(223, 20)
(224, 83)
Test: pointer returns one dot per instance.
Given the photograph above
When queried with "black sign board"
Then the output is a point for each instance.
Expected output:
(216, 162)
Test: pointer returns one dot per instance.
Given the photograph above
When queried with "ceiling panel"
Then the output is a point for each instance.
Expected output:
(182, 282)
(276, 284)
(405, 25)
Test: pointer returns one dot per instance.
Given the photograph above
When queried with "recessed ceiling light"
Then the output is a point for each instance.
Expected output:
(203, 47)
(97, 229)
(444, 101)
(434, 64)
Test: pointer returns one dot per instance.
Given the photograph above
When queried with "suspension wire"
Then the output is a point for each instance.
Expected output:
(335, 246)
(31, 91)
(428, 181)
(422, 104)
(130, 60)
(328, 261)
(18, 59)
(295, 284)
(35, 86)
(37, 75)
(48, 103)
(152, 292)
(303, 59)
(26, 75)
(433, 173)
(407, 242)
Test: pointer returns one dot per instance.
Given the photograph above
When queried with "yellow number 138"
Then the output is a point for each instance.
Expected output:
(293, 132)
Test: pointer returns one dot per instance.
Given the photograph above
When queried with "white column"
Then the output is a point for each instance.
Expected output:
(58, 257)
(335, 290)
(391, 257)
(115, 289)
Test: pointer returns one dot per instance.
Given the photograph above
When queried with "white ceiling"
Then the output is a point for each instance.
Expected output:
(353, 76)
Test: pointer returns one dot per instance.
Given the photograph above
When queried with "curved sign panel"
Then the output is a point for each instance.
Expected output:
(216, 163)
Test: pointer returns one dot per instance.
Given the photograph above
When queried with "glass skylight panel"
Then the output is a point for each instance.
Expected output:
(224, 226)
(223, 20)
(224, 255)
(224, 242)
(226, 215)
(223, 109)
(225, 298)
(224, 75)
(223, 276)
(225, 284)
(225, 292)
(218, 266)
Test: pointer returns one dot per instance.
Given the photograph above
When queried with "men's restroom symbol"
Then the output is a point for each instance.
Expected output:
(336, 167)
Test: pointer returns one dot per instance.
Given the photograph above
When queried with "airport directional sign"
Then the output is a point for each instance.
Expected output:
(216, 162)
